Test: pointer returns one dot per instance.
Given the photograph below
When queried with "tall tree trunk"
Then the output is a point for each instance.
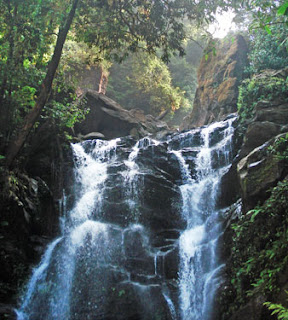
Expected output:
(5, 109)
(17, 143)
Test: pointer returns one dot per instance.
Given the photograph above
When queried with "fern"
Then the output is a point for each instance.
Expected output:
(278, 309)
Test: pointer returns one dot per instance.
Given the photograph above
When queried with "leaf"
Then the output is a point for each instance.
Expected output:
(283, 10)
(268, 30)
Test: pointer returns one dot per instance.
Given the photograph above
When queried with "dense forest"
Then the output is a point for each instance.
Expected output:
(151, 56)
(35, 36)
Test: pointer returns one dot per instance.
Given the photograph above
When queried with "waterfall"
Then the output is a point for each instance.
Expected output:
(199, 267)
(140, 240)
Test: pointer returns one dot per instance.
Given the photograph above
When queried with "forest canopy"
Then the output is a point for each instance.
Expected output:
(33, 34)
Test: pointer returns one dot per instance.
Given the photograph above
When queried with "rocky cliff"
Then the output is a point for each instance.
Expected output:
(256, 238)
(219, 75)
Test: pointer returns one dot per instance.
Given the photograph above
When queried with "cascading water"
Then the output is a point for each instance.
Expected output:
(199, 266)
(123, 250)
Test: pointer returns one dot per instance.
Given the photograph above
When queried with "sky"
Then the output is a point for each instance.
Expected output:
(223, 25)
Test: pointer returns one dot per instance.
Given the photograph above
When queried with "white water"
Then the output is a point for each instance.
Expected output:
(77, 271)
(199, 268)
(78, 230)
(133, 177)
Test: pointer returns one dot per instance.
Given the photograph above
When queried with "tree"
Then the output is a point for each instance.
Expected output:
(26, 33)
(116, 27)
(144, 81)
(29, 121)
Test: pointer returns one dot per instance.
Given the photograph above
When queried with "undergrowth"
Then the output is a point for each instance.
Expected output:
(260, 247)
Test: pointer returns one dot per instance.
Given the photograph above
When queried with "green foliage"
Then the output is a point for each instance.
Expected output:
(120, 27)
(109, 29)
(78, 57)
(267, 13)
(268, 51)
(26, 34)
(260, 247)
(278, 309)
(280, 148)
(145, 82)
(283, 9)
(63, 108)
(121, 293)
(260, 88)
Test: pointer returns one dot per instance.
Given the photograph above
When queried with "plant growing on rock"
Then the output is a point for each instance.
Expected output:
(278, 309)
(259, 252)
(262, 87)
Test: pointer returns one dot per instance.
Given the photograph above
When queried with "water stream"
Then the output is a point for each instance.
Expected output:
(140, 241)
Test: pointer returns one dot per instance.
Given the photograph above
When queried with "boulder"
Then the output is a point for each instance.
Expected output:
(108, 118)
(276, 112)
(258, 133)
(259, 171)
(91, 135)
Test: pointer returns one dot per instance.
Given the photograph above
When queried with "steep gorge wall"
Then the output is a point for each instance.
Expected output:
(219, 76)
(255, 240)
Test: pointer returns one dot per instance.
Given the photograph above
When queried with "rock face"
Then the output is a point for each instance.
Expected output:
(271, 118)
(258, 168)
(110, 119)
(126, 244)
(92, 78)
(27, 219)
(29, 206)
(259, 171)
(218, 80)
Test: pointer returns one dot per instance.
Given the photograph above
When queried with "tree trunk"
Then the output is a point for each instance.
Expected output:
(17, 143)
(5, 110)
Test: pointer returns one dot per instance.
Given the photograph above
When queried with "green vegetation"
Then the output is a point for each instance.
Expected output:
(32, 37)
(260, 247)
(260, 88)
(147, 85)
(278, 309)
(280, 148)
(268, 50)
(144, 81)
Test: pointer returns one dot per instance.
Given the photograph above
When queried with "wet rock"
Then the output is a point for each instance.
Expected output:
(91, 135)
(135, 301)
(275, 112)
(253, 310)
(171, 263)
(7, 312)
(186, 139)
